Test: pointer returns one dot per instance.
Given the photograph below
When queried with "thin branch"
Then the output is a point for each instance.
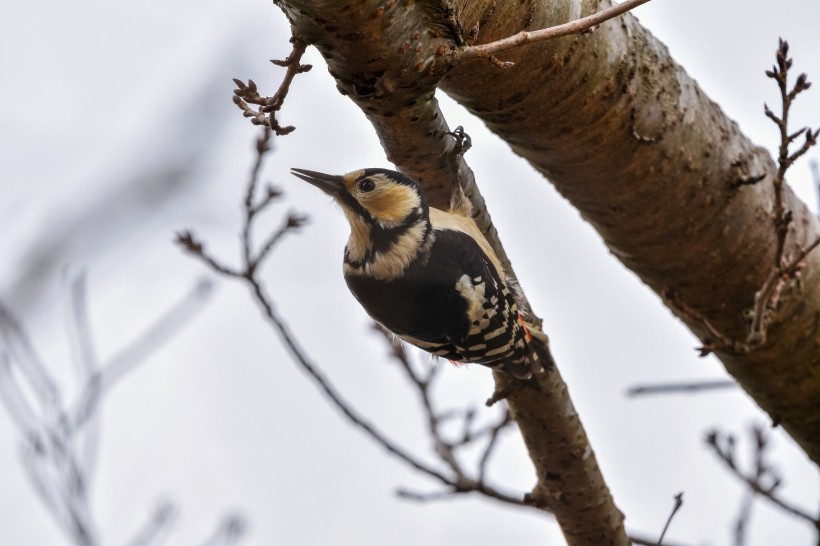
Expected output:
(795, 264)
(585, 24)
(784, 270)
(163, 329)
(230, 531)
(342, 405)
(265, 114)
(85, 363)
(251, 210)
(158, 526)
(292, 222)
(56, 476)
(160, 332)
(680, 388)
(744, 517)
(443, 448)
(49, 448)
(31, 453)
(190, 243)
(467, 488)
(13, 398)
(495, 432)
(645, 541)
(248, 274)
(407, 494)
(723, 446)
(767, 298)
(78, 327)
(58, 447)
(21, 350)
(675, 508)
(446, 449)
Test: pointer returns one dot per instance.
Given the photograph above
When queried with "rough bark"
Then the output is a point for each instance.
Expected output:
(628, 137)
(631, 141)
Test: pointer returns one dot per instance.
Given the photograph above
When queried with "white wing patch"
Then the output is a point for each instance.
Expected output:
(474, 292)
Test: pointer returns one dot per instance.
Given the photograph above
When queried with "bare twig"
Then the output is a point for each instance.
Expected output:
(158, 526)
(49, 445)
(22, 352)
(767, 298)
(265, 114)
(248, 272)
(58, 442)
(17, 406)
(229, 532)
(675, 508)
(743, 517)
(128, 358)
(585, 24)
(644, 541)
(495, 432)
(78, 327)
(764, 479)
(448, 449)
(784, 269)
(86, 366)
(426, 497)
(680, 388)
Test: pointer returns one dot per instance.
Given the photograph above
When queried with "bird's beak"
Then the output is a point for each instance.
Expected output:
(332, 185)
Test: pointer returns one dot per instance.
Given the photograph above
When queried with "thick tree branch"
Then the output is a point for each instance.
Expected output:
(632, 142)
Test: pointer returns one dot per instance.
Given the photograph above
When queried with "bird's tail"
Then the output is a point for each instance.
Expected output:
(537, 357)
(539, 344)
(541, 348)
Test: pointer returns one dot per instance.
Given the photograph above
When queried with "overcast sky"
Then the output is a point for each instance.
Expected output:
(117, 129)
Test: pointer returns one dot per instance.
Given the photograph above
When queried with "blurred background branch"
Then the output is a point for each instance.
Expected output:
(60, 441)
(762, 480)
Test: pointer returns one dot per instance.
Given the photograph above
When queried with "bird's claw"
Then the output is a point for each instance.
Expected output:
(463, 140)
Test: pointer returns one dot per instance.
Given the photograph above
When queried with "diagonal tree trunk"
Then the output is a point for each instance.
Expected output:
(628, 137)
(632, 142)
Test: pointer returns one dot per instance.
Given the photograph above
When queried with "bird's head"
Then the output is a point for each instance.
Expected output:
(381, 198)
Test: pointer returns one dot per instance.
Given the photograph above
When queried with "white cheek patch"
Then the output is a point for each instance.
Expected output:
(357, 244)
(392, 263)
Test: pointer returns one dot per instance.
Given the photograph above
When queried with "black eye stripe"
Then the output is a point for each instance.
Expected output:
(367, 185)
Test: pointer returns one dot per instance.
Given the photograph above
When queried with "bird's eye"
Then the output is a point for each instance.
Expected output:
(367, 185)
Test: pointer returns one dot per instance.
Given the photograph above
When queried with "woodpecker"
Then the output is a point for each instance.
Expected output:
(430, 276)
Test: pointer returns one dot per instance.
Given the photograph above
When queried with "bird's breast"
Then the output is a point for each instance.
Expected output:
(443, 294)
